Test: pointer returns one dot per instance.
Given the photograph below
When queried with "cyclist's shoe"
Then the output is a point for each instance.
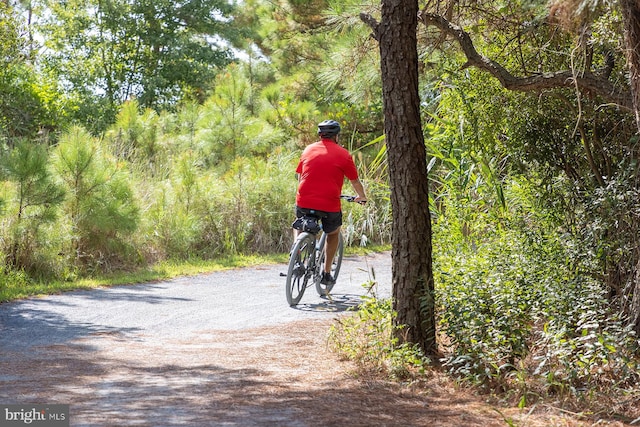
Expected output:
(327, 279)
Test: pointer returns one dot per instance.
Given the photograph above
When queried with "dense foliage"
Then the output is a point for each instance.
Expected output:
(136, 137)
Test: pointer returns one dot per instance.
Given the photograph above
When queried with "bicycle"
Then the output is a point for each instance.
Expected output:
(307, 258)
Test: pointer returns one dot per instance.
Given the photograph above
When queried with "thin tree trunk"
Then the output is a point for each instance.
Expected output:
(413, 289)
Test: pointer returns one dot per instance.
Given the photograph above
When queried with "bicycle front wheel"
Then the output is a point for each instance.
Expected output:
(322, 289)
(301, 262)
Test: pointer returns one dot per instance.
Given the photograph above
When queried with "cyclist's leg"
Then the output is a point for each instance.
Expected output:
(331, 225)
(330, 248)
(337, 260)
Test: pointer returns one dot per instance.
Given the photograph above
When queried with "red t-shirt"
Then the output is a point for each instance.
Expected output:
(322, 169)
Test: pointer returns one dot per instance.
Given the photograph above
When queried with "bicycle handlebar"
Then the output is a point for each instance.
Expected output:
(351, 198)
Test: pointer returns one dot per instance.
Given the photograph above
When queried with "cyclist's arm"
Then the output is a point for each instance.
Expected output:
(359, 189)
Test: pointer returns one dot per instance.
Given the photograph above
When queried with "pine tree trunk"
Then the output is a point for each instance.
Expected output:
(407, 160)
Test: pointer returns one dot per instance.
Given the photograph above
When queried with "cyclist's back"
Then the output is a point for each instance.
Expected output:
(322, 169)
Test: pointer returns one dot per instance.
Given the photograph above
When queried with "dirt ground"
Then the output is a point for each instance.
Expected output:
(277, 376)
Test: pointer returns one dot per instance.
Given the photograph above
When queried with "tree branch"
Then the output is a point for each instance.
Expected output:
(372, 23)
(587, 81)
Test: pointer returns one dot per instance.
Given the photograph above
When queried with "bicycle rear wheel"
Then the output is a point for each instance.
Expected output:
(335, 266)
(301, 262)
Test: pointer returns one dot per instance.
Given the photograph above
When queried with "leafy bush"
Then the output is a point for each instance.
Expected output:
(367, 339)
(485, 299)
(517, 310)
(584, 342)
(11, 284)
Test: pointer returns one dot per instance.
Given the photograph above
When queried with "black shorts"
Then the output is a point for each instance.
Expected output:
(331, 221)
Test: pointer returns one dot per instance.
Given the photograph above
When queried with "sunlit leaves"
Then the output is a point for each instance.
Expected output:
(100, 202)
(154, 51)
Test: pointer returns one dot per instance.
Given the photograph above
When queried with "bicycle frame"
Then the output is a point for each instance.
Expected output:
(306, 265)
(306, 262)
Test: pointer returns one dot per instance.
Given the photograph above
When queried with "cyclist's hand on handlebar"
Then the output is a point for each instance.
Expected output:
(356, 199)
(361, 200)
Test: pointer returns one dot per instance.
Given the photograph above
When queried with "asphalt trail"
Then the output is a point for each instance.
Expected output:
(116, 353)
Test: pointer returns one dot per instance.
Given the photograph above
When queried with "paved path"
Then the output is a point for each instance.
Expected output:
(79, 347)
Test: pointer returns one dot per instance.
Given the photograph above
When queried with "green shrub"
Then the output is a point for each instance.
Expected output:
(367, 339)
(583, 344)
(516, 311)
(100, 202)
(485, 300)
(13, 283)
(33, 201)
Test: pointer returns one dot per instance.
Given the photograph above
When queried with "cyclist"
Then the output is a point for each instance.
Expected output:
(321, 172)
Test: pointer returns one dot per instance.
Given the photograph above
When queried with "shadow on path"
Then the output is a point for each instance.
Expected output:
(338, 304)
(268, 377)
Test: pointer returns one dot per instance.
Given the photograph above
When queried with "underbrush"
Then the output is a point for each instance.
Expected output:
(518, 322)
(514, 323)
(367, 338)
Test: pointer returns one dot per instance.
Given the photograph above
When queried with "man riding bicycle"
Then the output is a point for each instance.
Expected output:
(321, 172)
